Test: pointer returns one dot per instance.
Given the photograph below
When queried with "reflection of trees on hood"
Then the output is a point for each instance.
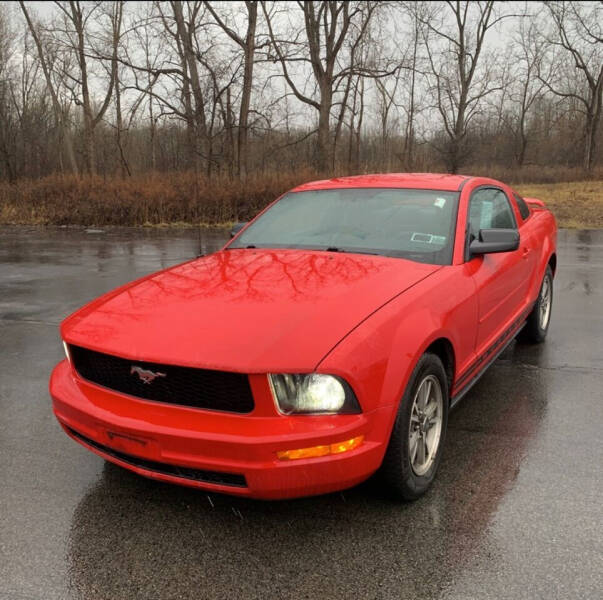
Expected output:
(258, 275)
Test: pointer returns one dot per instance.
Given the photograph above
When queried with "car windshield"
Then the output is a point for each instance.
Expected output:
(406, 223)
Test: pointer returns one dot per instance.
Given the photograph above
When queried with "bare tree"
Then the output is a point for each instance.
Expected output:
(454, 55)
(326, 26)
(577, 35)
(77, 17)
(248, 45)
(355, 124)
(526, 88)
(7, 124)
(27, 128)
(409, 133)
(201, 75)
(192, 93)
(58, 109)
(247, 87)
(398, 92)
(146, 72)
(115, 15)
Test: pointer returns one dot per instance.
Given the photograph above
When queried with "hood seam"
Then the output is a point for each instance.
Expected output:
(372, 313)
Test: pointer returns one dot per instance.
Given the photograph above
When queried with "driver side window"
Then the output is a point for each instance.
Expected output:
(489, 208)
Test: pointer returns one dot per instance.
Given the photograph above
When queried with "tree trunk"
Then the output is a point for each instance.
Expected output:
(357, 135)
(88, 118)
(589, 143)
(456, 149)
(228, 134)
(521, 152)
(152, 127)
(58, 111)
(124, 167)
(592, 124)
(192, 156)
(10, 172)
(410, 123)
(521, 139)
(340, 119)
(189, 58)
(323, 156)
(453, 157)
(243, 132)
(89, 151)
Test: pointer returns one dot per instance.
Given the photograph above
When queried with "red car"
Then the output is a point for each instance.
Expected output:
(326, 341)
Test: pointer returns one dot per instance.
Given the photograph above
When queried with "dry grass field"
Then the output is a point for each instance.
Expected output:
(183, 199)
(145, 199)
(576, 204)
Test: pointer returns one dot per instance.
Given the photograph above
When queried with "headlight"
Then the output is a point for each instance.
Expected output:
(314, 393)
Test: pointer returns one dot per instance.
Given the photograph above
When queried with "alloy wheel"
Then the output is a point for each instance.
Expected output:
(425, 424)
(545, 303)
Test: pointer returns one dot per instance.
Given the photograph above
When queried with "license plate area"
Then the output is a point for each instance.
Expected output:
(131, 444)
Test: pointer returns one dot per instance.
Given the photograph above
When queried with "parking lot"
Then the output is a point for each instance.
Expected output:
(515, 512)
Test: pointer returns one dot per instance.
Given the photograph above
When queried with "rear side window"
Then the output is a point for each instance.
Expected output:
(490, 209)
(524, 211)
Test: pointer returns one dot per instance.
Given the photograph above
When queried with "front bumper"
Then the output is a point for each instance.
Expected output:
(221, 452)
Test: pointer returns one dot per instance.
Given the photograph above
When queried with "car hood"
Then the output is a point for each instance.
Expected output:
(245, 310)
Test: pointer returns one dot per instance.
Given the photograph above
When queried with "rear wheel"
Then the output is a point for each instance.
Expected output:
(415, 447)
(537, 323)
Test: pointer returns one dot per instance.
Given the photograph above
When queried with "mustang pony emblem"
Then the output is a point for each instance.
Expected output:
(145, 375)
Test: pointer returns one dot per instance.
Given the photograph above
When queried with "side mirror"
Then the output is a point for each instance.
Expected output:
(236, 228)
(490, 241)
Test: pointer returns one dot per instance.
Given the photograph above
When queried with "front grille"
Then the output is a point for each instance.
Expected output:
(199, 388)
(230, 479)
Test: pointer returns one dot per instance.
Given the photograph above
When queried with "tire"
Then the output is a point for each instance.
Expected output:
(403, 471)
(537, 323)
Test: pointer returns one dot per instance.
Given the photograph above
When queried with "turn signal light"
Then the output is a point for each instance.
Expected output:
(325, 450)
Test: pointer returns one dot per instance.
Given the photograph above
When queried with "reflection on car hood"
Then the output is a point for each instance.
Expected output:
(243, 310)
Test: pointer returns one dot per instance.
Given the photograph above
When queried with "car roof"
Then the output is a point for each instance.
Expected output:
(426, 181)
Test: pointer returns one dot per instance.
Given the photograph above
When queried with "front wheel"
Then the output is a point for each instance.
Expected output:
(537, 323)
(417, 440)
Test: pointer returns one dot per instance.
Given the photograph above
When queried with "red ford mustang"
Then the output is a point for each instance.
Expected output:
(328, 340)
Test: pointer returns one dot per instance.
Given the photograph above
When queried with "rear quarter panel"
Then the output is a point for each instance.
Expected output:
(543, 226)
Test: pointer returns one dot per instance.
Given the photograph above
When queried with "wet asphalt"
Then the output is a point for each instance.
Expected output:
(516, 511)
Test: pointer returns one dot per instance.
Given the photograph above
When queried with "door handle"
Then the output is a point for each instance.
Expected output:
(525, 253)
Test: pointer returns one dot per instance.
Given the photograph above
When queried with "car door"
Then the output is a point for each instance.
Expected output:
(529, 239)
(501, 279)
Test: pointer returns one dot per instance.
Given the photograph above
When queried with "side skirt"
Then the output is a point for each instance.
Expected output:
(490, 355)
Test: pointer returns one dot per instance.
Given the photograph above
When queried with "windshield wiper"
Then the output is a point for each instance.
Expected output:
(351, 251)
